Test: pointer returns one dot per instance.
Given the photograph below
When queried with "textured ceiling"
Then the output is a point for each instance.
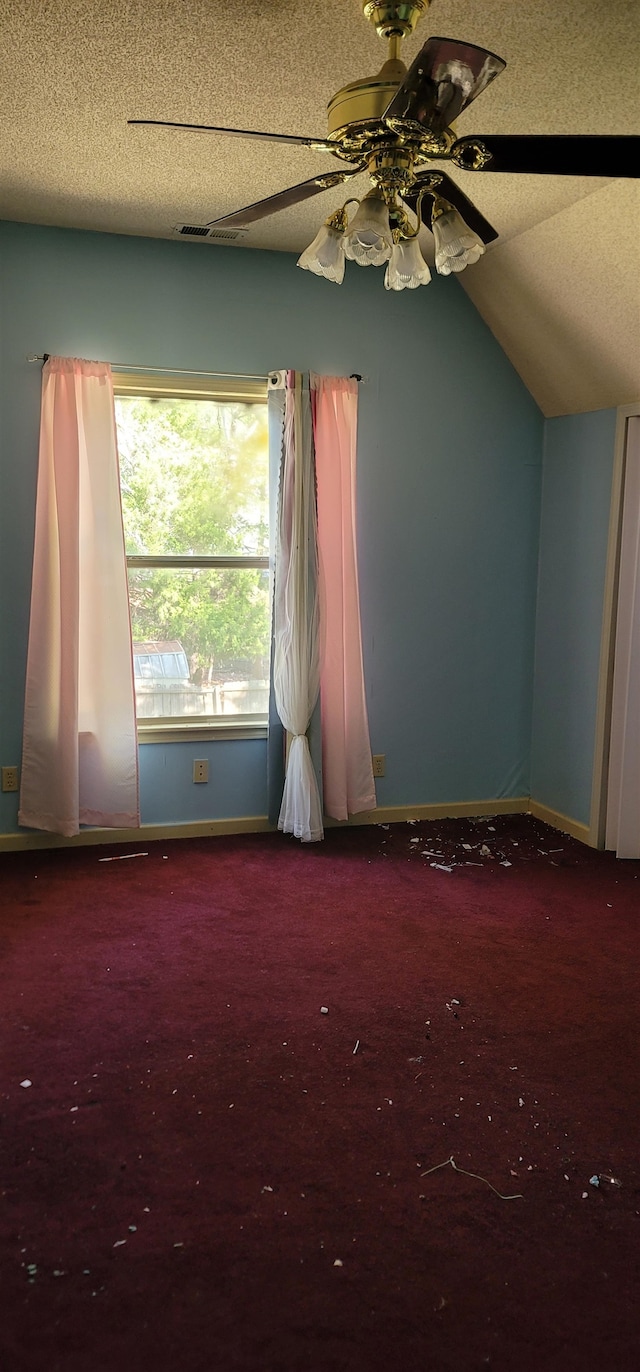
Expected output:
(559, 288)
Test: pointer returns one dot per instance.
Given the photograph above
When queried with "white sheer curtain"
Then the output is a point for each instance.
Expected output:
(79, 759)
(623, 799)
(296, 643)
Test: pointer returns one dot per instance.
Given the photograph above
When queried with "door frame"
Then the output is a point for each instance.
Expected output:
(599, 787)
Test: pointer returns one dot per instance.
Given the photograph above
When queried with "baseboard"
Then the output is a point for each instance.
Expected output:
(456, 809)
(147, 833)
(259, 824)
(567, 826)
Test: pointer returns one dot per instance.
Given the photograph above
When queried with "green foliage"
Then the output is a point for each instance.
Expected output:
(194, 479)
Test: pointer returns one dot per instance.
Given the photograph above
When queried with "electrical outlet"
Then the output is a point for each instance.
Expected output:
(201, 770)
(378, 761)
(10, 778)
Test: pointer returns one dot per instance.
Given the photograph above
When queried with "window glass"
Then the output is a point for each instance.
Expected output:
(194, 476)
(194, 480)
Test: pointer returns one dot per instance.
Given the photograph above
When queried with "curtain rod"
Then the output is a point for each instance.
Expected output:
(182, 371)
(169, 371)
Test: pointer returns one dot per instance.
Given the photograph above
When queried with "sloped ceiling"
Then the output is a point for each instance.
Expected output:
(561, 286)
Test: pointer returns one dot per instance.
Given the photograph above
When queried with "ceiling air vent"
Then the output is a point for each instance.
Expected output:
(204, 231)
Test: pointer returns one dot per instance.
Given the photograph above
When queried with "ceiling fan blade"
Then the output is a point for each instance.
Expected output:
(550, 154)
(444, 78)
(285, 199)
(319, 144)
(441, 184)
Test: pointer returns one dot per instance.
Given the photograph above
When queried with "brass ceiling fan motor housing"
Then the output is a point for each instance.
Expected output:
(362, 103)
(356, 127)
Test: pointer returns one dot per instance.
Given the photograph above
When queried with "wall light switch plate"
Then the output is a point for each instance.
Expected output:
(201, 770)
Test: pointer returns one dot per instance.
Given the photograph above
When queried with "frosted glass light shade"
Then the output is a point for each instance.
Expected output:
(407, 267)
(325, 256)
(368, 240)
(457, 246)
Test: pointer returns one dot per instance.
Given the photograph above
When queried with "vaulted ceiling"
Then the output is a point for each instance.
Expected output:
(560, 288)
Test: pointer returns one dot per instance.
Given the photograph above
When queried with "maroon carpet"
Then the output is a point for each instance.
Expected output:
(204, 1176)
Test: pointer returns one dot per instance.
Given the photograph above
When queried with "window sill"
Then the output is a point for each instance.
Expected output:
(192, 731)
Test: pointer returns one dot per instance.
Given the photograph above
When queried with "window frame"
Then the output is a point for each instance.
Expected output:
(229, 389)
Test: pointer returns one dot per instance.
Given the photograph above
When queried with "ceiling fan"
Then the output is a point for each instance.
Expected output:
(399, 127)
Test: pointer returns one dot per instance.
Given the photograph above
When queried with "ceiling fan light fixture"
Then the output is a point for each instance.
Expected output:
(457, 246)
(325, 256)
(407, 268)
(369, 239)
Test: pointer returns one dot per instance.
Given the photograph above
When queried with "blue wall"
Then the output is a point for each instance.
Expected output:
(450, 447)
(576, 500)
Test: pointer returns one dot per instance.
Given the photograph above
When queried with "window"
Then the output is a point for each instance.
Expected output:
(194, 474)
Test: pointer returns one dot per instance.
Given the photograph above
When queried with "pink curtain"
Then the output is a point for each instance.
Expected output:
(79, 759)
(347, 773)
